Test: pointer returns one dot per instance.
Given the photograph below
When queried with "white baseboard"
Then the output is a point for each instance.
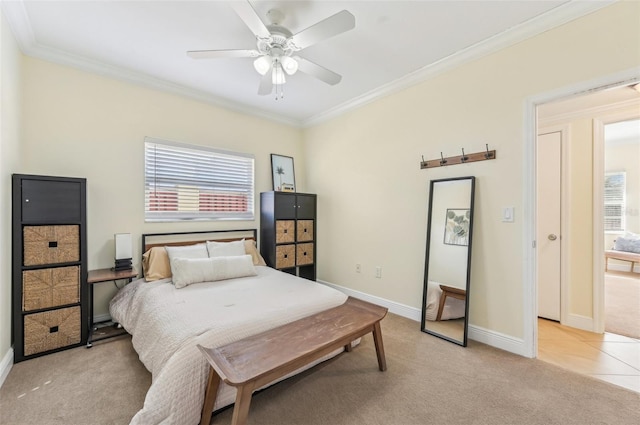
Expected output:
(581, 322)
(394, 307)
(476, 333)
(498, 340)
(5, 365)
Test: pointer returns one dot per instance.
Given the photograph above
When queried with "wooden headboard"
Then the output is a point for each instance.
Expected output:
(149, 240)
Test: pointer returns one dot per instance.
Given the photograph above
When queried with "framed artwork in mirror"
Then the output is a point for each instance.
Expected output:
(456, 230)
(284, 178)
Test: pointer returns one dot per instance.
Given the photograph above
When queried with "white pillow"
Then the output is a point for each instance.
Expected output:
(194, 270)
(225, 249)
(188, 251)
(632, 236)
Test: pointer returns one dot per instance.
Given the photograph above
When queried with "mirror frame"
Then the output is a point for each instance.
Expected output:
(426, 263)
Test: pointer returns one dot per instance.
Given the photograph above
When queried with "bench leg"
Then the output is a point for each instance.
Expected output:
(377, 339)
(348, 348)
(241, 408)
(210, 397)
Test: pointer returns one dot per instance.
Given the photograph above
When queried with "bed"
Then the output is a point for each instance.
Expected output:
(167, 321)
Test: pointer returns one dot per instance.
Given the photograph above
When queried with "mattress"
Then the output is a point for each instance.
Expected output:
(166, 324)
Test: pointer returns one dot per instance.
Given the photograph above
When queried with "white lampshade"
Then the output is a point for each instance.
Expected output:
(289, 65)
(124, 247)
(262, 64)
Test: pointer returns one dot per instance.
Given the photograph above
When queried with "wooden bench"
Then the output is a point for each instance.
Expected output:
(255, 361)
(621, 255)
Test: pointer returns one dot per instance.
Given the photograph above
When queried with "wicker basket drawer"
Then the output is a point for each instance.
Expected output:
(45, 288)
(51, 329)
(51, 244)
(305, 231)
(304, 254)
(285, 256)
(285, 231)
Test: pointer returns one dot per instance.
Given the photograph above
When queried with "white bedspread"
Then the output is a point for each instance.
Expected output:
(167, 323)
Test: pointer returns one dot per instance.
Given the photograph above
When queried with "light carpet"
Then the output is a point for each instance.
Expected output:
(428, 381)
(622, 304)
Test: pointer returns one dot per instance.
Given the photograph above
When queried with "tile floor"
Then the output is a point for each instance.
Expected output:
(609, 357)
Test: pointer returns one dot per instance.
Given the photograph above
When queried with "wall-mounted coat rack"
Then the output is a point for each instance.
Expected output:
(460, 159)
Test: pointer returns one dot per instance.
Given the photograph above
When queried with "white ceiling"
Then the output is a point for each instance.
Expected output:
(395, 44)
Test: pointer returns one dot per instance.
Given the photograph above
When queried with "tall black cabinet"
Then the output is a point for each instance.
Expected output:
(49, 264)
(288, 232)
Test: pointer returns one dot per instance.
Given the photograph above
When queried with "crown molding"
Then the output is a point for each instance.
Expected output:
(558, 16)
(18, 21)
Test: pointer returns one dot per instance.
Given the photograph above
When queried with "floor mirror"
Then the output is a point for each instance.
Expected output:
(447, 271)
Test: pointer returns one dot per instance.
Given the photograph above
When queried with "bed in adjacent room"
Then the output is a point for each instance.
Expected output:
(208, 305)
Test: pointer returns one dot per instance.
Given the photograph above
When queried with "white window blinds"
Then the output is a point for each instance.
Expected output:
(183, 182)
(614, 201)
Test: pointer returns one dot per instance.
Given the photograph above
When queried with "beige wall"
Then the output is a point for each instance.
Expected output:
(372, 193)
(84, 125)
(10, 69)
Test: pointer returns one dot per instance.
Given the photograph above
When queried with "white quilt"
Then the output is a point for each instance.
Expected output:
(166, 324)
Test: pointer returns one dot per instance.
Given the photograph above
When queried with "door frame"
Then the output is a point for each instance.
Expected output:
(565, 211)
(529, 201)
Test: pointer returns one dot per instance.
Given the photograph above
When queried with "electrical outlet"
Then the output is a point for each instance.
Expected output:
(358, 268)
(378, 272)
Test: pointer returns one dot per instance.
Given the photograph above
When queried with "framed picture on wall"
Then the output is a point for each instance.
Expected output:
(456, 229)
(284, 178)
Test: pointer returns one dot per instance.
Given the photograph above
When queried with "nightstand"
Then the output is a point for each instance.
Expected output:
(99, 276)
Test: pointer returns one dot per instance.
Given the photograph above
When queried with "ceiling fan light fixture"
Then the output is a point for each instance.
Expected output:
(277, 76)
(262, 64)
(289, 65)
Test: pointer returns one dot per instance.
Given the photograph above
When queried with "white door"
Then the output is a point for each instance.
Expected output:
(548, 171)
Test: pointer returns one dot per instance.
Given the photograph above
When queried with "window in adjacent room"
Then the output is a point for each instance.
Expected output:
(614, 201)
(185, 182)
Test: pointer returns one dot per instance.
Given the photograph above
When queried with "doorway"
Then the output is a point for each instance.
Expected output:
(581, 252)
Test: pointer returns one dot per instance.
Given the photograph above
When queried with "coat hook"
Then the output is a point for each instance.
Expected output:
(488, 154)
(464, 158)
(423, 159)
(443, 161)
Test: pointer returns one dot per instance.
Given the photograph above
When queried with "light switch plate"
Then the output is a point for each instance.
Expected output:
(507, 214)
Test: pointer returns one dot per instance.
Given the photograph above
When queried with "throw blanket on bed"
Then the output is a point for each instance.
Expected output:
(166, 324)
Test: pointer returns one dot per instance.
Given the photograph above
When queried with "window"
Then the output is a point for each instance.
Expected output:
(183, 182)
(614, 201)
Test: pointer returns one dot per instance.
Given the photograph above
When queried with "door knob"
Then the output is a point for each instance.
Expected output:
(552, 237)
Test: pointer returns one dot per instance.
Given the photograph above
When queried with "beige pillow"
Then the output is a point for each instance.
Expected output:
(250, 248)
(155, 264)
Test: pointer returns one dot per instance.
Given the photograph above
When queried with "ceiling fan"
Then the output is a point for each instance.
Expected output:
(276, 46)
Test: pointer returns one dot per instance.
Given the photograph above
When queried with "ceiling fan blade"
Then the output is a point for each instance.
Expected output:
(251, 18)
(333, 25)
(315, 70)
(215, 54)
(266, 85)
